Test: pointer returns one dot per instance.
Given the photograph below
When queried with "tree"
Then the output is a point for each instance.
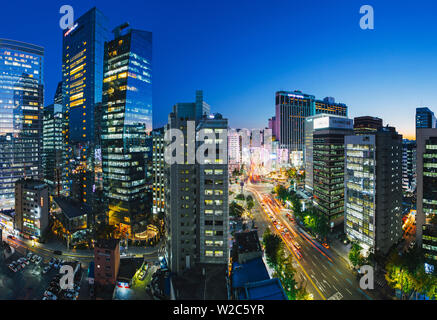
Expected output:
(250, 205)
(282, 192)
(240, 197)
(235, 210)
(355, 256)
(271, 245)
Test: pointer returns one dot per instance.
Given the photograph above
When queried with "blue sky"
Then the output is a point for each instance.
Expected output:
(240, 52)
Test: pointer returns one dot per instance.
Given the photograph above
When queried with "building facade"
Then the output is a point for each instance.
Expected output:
(291, 110)
(52, 146)
(426, 217)
(127, 121)
(82, 81)
(425, 118)
(366, 124)
(31, 208)
(21, 106)
(197, 217)
(373, 189)
(409, 165)
(158, 172)
(325, 166)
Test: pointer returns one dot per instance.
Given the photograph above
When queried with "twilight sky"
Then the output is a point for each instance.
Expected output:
(240, 52)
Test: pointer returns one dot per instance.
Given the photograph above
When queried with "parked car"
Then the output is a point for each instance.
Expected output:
(12, 267)
(46, 269)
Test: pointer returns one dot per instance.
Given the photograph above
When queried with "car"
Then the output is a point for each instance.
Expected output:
(38, 260)
(325, 245)
(142, 275)
(46, 269)
(52, 262)
(29, 255)
(44, 298)
(12, 267)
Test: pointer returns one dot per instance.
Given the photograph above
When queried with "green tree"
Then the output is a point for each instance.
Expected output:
(271, 245)
(235, 210)
(355, 256)
(240, 197)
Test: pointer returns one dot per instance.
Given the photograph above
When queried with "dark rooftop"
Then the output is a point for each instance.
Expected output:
(128, 267)
(72, 208)
(109, 244)
(247, 242)
(192, 285)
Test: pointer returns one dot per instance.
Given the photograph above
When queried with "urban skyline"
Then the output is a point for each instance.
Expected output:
(101, 198)
(369, 59)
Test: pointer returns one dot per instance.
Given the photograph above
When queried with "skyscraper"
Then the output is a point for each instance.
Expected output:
(373, 192)
(197, 218)
(324, 162)
(291, 110)
(426, 217)
(425, 118)
(409, 165)
(52, 146)
(127, 120)
(82, 81)
(158, 172)
(21, 104)
(366, 124)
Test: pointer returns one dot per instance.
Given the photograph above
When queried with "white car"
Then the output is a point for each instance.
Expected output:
(46, 269)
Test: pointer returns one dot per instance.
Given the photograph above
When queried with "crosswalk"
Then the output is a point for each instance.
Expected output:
(336, 296)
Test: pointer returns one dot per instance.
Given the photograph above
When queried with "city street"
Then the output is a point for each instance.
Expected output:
(324, 273)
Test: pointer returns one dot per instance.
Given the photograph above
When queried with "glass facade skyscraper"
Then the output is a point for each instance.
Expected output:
(373, 189)
(52, 145)
(426, 218)
(21, 104)
(425, 118)
(291, 110)
(126, 122)
(82, 66)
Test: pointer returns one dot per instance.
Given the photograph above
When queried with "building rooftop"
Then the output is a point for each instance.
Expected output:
(30, 183)
(247, 242)
(193, 285)
(270, 289)
(251, 271)
(72, 208)
(128, 267)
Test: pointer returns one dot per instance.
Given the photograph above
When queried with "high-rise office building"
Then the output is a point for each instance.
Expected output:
(234, 150)
(291, 110)
(31, 208)
(21, 106)
(52, 146)
(366, 124)
(127, 121)
(425, 118)
(82, 81)
(58, 94)
(158, 172)
(373, 189)
(324, 166)
(426, 217)
(197, 218)
(409, 165)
